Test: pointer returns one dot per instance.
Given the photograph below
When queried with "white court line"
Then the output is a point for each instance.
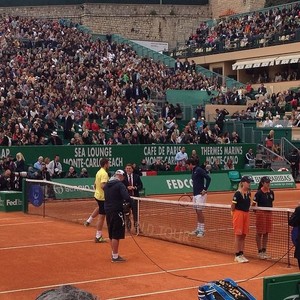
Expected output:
(12, 218)
(26, 223)
(172, 290)
(156, 293)
(115, 278)
(43, 245)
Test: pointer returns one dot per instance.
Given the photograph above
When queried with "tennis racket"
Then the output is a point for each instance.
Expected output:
(185, 199)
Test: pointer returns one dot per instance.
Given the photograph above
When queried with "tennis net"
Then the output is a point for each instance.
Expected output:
(169, 220)
(175, 221)
(67, 202)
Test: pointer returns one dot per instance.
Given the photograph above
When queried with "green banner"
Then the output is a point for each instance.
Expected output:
(11, 201)
(285, 287)
(278, 179)
(68, 189)
(181, 184)
(89, 156)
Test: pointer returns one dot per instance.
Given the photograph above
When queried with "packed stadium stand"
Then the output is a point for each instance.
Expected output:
(60, 86)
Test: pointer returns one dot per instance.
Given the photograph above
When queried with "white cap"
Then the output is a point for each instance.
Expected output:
(119, 172)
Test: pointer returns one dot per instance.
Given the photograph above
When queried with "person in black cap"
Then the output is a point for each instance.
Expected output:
(240, 213)
(264, 197)
(116, 194)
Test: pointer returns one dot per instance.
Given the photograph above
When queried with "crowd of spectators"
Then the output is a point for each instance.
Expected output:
(256, 29)
(55, 78)
(273, 109)
(14, 169)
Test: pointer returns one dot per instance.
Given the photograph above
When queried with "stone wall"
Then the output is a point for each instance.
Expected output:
(166, 23)
(47, 12)
(218, 8)
(162, 23)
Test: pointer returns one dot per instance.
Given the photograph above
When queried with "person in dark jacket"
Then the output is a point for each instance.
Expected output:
(134, 185)
(295, 160)
(71, 173)
(5, 180)
(116, 194)
(68, 124)
(294, 221)
(204, 137)
(220, 118)
(201, 181)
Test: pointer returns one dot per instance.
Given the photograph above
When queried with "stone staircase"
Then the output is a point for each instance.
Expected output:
(271, 160)
(280, 164)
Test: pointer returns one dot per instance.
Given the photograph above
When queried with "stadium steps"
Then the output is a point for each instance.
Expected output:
(279, 164)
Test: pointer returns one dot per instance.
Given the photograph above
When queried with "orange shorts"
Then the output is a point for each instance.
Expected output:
(241, 222)
(264, 221)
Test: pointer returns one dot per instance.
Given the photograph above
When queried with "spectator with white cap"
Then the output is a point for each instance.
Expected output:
(54, 139)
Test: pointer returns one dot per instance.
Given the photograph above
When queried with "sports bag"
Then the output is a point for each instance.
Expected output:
(226, 289)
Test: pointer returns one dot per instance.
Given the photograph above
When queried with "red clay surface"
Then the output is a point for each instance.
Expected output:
(41, 253)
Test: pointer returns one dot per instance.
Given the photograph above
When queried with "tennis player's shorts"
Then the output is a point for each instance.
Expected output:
(199, 201)
(116, 225)
(264, 222)
(101, 206)
(241, 222)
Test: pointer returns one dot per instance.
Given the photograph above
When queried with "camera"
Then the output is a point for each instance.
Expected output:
(20, 174)
(126, 208)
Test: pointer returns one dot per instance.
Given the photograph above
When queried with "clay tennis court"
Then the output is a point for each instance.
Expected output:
(42, 253)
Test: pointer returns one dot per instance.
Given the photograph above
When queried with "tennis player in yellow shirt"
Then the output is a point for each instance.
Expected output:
(100, 182)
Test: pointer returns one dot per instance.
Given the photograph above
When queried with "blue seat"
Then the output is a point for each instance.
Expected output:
(235, 178)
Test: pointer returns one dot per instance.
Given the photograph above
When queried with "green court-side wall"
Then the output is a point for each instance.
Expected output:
(189, 97)
(281, 287)
(181, 184)
(88, 156)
